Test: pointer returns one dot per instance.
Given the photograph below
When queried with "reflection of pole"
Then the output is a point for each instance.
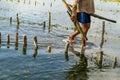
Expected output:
(44, 26)
(16, 41)
(115, 62)
(17, 19)
(0, 39)
(66, 51)
(8, 40)
(99, 58)
(35, 53)
(49, 21)
(10, 20)
(24, 44)
(103, 32)
(17, 27)
(35, 46)
(83, 62)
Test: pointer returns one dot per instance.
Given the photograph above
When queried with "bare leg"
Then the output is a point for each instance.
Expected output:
(72, 36)
(85, 28)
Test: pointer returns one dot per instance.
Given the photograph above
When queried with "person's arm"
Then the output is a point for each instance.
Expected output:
(74, 8)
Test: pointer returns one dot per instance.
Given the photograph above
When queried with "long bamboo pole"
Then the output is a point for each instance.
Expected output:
(94, 15)
(100, 17)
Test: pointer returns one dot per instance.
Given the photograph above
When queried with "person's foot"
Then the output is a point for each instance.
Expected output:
(71, 39)
(83, 49)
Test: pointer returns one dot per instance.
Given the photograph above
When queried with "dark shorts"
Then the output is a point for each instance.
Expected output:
(83, 17)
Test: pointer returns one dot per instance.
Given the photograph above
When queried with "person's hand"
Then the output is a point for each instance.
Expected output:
(70, 5)
(74, 18)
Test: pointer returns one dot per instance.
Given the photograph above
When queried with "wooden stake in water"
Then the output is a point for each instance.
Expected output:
(35, 46)
(24, 44)
(51, 4)
(10, 20)
(43, 3)
(17, 19)
(49, 49)
(24, 1)
(35, 42)
(35, 3)
(29, 1)
(115, 62)
(49, 21)
(103, 32)
(8, 40)
(18, 0)
(16, 41)
(66, 51)
(100, 58)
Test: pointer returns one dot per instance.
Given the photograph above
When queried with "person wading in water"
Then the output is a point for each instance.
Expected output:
(81, 12)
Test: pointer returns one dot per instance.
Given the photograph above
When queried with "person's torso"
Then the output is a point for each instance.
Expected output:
(85, 6)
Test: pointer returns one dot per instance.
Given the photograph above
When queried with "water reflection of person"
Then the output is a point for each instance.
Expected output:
(81, 10)
(77, 73)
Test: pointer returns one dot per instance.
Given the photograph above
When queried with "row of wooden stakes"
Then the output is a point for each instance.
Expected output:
(24, 44)
(29, 2)
(44, 23)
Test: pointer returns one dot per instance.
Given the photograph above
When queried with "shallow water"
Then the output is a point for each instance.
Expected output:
(53, 66)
